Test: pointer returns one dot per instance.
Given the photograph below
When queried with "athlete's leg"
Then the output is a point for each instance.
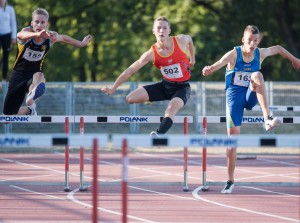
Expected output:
(231, 153)
(139, 95)
(235, 103)
(36, 89)
(23, 110)
(5, 40)
(258, 85)
(179, 99)
(173, 107)
(37, 78)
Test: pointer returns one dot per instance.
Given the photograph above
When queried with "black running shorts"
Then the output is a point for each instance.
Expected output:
(19, 84)
(166, 90)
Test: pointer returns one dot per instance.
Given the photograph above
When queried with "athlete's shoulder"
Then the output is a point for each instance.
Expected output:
(183, 37)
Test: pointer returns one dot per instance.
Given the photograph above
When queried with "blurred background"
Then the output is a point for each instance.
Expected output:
(122, 31)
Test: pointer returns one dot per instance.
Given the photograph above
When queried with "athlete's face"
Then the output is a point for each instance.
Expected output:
(39, 23)
(161, 30)
(250, 41)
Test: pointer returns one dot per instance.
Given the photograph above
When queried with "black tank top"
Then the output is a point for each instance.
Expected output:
(30, 56)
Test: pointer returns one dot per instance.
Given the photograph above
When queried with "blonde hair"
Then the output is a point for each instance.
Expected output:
(162, 18)
(40, 11)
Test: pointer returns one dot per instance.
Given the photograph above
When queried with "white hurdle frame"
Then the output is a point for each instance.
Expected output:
(93, 141)
(278, 108)
(135, 119)
(47, 140)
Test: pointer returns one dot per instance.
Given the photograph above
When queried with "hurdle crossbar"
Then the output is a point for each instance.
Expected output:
(249, 119)
(278, 108)
(135, 119)
(46, 140)
(90, 119)
(211, 140)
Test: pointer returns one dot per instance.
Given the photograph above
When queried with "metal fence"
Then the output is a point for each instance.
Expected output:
(208, 98)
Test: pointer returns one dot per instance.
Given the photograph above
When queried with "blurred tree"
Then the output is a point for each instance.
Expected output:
(122, 31)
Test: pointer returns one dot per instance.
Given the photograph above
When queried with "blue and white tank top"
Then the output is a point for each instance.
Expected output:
(241, 72)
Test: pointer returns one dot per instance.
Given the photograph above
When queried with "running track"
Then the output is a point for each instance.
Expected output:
(147, 203)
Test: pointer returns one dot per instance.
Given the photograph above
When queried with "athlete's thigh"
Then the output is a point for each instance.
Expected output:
(251, 98)
(184, 93)
(138, 95)
(174, 105)
(235, 104)
(156, 92)
(14, 99)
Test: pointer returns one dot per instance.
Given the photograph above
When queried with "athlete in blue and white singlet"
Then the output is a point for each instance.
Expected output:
(238, 87)
(245, 87)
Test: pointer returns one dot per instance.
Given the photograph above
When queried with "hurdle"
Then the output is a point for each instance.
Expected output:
(277, 108)
(125, 163)
(250, 119)
(67, 158)
(204, 140)
(185, 120)
(46, 140)
(204, 152)
(214, 140)
(185, 156)
(81, 152)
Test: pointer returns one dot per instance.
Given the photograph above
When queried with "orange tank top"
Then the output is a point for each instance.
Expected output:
(174, 67)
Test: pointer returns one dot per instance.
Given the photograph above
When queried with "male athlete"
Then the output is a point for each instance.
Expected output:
(245, 87)
(169, 55)
(34, 43)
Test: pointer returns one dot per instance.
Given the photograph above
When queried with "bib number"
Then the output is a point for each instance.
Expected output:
(32, 55)
(242, 79)
(172, 71)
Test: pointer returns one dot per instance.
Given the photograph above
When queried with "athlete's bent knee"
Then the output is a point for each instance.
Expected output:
(129, 99)
(257, 78)
(39, 76)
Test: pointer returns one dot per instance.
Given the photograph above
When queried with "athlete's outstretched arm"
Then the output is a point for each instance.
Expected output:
(27, 33)
(55, 37)
(186, 43)
(229, 57)
(274, 50)
(133, 68)
(192, 50)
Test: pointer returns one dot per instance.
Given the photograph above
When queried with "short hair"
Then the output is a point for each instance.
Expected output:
(162, 18)
(40, 11)
(251, 29)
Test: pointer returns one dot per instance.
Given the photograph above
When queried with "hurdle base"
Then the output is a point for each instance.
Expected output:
(66, 189)
(185, 189)
(83, 188)
(205, 188)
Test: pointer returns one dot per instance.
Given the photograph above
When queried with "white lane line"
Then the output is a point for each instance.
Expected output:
(31, 165)
(73, 199)
(196, 195)
(269, 191)
(38, 193)
(32, 177)
(275, 161)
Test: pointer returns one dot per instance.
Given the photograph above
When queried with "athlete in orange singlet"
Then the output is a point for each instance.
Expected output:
(169, 55)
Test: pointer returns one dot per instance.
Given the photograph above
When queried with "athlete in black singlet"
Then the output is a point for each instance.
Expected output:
(34, 43)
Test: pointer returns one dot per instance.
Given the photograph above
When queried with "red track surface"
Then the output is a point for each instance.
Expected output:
(152, 202)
